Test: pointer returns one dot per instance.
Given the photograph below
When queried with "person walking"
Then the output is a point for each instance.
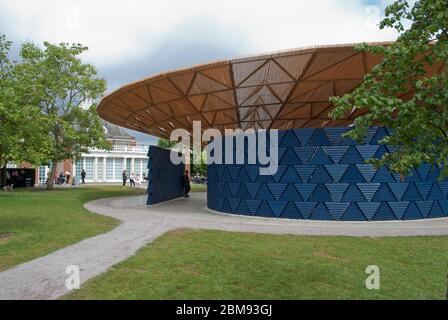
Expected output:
(186, 184)
(67, 177)
(132, 180)
(83, 176)
(125, 178)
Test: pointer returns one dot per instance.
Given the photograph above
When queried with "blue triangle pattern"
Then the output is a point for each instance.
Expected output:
(399, 208)
(234, 172)
(412, 193)
(353, 213)
(305, 154)
(435, 193)
(336, 153)
(305, 172)
(371, 132)
(367, 152)
(352, 175)
(321, 213)
(253, 188)
(279, 174)
(382, 150)
(234, 188)
(383, 175)
(264, 210)
(414, 177)
(368, 190)
(352, 156)
(252, 205)
(305, 189)
(337, 209)
(436, 211)
(243, 193)
(277, 189)
(289, 140)
(321, 175)
(320, 157)
(384, 194)
(367, 170)
(336, 171)
(444, 189)
(305, 208)
(277, 207)
(264, 193)
(412, 213)
(424, 188)
(384, 213)
(252, 172)
(290, 176)
(398, 189)
(444, 205)
(425, 207)
(291, 212)
(379, 135)
(304, 135)
(291, 194)
(369, 209)
(424, 171)
(243, 209)
(290, 157)
(319, 138)
(320, 194)
(337, 190)
(243, 177)
(353, 194)
(335, 134)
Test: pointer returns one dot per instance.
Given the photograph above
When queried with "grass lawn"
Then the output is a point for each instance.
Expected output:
(198, 187)
(35, 222)
(189, 264)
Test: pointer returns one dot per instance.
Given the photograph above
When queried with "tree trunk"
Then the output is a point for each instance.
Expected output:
(50, 180)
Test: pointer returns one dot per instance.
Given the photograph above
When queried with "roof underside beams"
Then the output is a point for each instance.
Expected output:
(284, 90)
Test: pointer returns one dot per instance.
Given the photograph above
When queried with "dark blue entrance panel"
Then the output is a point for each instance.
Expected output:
(164, 177)
(322, 176)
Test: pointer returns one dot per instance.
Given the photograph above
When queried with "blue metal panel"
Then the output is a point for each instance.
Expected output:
(323, 176)
(164, 178)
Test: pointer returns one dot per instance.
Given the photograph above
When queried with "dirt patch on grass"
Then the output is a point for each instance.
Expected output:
(326, 255)
(5, 237)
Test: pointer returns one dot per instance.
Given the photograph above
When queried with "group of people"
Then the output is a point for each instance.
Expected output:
(133, 179)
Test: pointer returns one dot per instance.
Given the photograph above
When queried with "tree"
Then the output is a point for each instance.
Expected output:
(63, 87)
(408, 90)
(166, 144)
(21, 139)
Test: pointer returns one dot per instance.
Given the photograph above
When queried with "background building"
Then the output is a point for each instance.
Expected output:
(103, 166)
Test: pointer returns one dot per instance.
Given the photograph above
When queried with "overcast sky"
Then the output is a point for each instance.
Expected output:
(132, 39)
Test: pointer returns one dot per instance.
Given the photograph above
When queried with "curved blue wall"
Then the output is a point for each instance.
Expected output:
(322, 176)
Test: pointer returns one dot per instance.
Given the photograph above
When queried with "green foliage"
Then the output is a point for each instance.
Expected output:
(167, 144)
(408, 90)
(21, 122)
(65, 90)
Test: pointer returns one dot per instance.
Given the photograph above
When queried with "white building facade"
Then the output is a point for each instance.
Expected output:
(107, 166)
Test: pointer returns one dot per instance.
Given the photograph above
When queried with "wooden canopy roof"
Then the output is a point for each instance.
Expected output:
(283, 90)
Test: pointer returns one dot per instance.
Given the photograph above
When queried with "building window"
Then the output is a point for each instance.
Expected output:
(118, 168)
(100, 169)
(89, 168)
(109, 169)
(79, 164)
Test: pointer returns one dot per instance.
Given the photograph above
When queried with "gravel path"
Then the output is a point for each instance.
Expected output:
(45, 277)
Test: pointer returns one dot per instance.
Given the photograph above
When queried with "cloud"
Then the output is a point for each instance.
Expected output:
(132, 39)
(117, 30)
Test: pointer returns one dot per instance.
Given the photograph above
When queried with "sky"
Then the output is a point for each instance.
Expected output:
(133, 39)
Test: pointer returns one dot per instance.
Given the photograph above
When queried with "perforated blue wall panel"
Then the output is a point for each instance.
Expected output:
(164, 178)
(322, 176)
